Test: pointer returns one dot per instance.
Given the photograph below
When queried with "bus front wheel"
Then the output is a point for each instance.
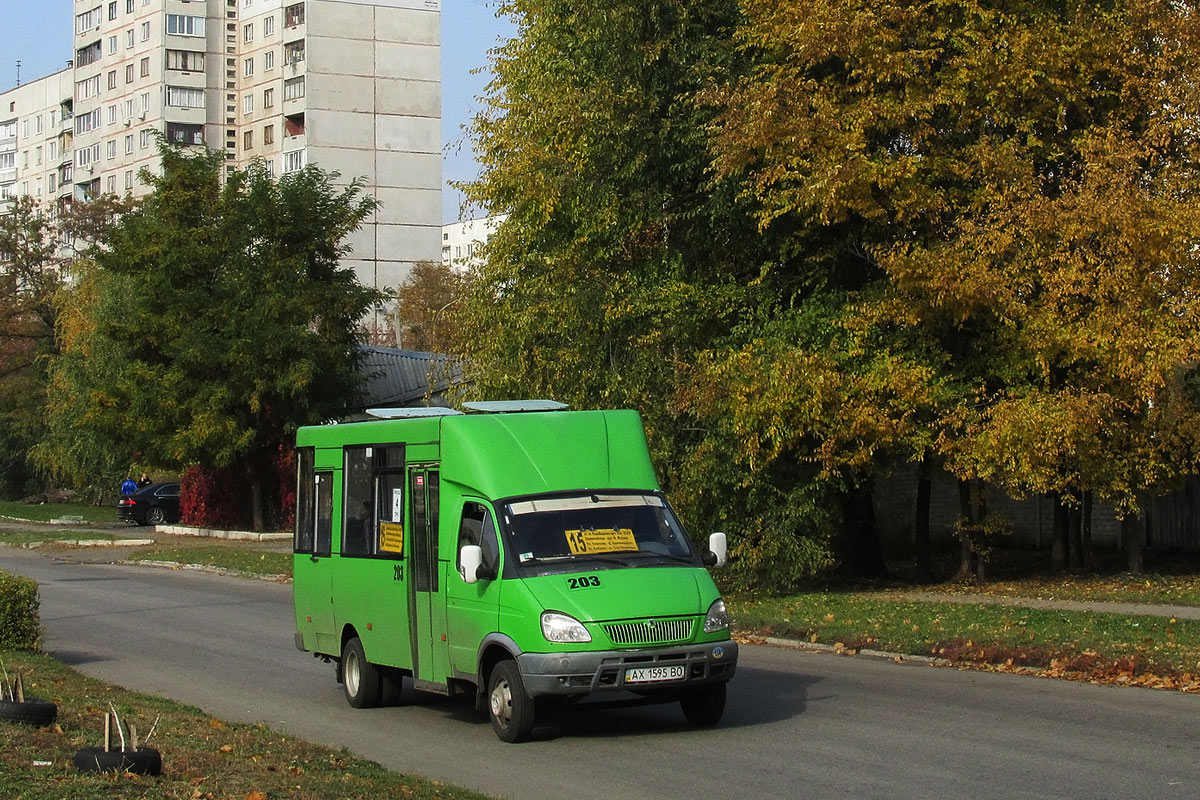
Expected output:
(361, 679)
(509, 705)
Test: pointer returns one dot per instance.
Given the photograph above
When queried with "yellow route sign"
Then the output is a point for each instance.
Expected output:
(601, 540)
(391, 537)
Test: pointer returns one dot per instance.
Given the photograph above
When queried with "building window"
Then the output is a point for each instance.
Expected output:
(183, 25)
(146, 31)
(269, 25)
(112, 10)
(128, 179)
(144, 138)
(145, 67)
(129, 38)
(185, 60)
(112, 115)
(185, 97)
(293, 52)
(89, 87)
(128, 143)
(112, 45)
(248, 67)
(128, 6)
(293, 161)
(248, 32)
(293, 89)
(268, 98)
(248, 104)
(88, 55)
(112, 79)
(89, 19)
(268, 61)
(180, 133)
(89, 120)
(111, 149)
(111, 184)
(129, 73)
(248, 140)
(144, 102)
(293, 15)
(269, 135)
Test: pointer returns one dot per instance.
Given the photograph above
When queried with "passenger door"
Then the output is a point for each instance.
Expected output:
(312, 567)
(426, 608)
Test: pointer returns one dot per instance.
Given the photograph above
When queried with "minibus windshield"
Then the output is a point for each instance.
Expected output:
(594, 531)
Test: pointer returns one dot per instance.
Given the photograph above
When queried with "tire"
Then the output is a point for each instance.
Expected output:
(31, 712)
(155, 516)
(704, 707)
(143, 761)
(361, 679)
(510, 707)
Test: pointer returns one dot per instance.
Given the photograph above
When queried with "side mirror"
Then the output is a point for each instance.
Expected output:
(470, 558)
(718, 549)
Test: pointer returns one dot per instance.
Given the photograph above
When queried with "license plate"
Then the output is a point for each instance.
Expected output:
(654, 674)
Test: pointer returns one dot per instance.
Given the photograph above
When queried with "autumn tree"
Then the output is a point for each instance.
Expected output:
(216, 319)
(427, 305)
(1017, 183)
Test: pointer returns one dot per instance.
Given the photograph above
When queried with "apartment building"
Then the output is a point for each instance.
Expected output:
(352, 86)
(463, 241)
(35, 139)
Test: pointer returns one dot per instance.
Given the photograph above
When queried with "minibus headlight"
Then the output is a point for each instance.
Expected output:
(717, 618)
(563, 629)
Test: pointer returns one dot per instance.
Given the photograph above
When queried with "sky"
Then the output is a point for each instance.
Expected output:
(39, 34)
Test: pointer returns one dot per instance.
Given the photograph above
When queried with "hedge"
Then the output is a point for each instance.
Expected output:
(20, 625)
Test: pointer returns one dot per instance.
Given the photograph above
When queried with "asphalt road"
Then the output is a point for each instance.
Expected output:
(797, 724)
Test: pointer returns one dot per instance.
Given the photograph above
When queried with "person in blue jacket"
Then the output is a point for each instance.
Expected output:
(128, 486)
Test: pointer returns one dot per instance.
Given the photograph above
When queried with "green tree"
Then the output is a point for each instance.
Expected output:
(621, 258)
(216, 319)
(29, 278)
(1018, 183)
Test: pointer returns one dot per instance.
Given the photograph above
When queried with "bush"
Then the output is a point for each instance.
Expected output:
(20, 625)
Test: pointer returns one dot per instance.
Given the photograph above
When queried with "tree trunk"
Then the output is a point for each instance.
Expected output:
(967, 513)
(1131, 535)
(1058, 550)
(864, 552)
(1089, 555)
(256, 501)
(1075, 551)
(921, 529)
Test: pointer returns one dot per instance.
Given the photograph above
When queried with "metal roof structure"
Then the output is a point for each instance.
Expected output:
(407, 378)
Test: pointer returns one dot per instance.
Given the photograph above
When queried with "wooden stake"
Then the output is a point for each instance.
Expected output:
(133, 738)
(107, 731)
(20, 689)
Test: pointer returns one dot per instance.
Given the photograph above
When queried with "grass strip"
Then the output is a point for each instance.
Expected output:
(202, 757)
(1105, 647)
(44, 512)
(243, 559)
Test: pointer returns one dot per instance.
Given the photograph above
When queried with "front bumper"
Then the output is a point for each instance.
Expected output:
(605, 670)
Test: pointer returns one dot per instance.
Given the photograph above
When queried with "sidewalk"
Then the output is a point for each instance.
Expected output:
(1129, 609)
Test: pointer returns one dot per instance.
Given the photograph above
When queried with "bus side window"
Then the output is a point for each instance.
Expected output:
(357, 496)
(477, 528)
(305, 501)
(324, 530)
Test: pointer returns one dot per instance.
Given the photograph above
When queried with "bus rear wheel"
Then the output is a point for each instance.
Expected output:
(361, 679)
(510, 707)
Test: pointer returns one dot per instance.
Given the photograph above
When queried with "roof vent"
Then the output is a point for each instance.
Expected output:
(512, 406)
(411, 413)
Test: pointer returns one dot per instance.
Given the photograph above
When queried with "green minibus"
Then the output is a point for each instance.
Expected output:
(518, 552)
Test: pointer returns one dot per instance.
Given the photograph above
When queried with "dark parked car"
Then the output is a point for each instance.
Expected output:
(152, 505)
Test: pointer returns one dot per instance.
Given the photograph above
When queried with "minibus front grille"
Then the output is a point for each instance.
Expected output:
(650, 631)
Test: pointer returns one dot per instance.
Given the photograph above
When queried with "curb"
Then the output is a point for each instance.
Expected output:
(213, 533)
(231, 573)
(79, 543)
(841, 650)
